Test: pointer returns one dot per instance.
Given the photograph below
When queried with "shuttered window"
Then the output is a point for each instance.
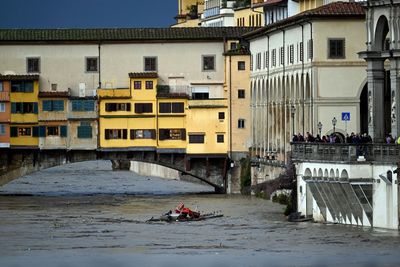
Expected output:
(196, 138)
(143, 108)
(84, 130)
(172, 134)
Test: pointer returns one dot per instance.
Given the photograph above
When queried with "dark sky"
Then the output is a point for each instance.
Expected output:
(87, 13)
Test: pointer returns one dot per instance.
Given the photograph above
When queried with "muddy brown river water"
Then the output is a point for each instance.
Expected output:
(87, 215)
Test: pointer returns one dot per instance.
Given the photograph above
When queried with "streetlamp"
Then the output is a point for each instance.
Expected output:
(293, 111)
(319, 125)
(334, 120)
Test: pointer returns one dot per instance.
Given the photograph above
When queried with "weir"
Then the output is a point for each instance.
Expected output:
(346, 187)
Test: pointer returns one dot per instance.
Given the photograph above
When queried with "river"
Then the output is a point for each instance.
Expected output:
(87, 215)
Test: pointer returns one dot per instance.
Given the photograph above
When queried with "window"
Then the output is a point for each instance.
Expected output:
(258, 62)
(82, 105)
(234, 45)
(24, 131)
(241, 65)
(143, 134)
(240, 123)
(2, 107)
(149, 84)
(33, 65)
(241, 93)
(220, 138)
(291, 54)
(53, 87)
(282, 53)
(84, 130)
(274, 57)
(172, 107)
(196, 138)
(178, 108)
(150, 64)
(53, 105)
(21, 86)
(1, 87)
(301, 51)
(118, 107)
(2, 129)
(24, 107)
(336, 48)
(310, 48)
(266, 59)
(137, 85)
(172, 134)
(143, 108)
(221, 115)
(208, 63)
(200, 93)
(116, 134)
(92, 64)
(52, 130)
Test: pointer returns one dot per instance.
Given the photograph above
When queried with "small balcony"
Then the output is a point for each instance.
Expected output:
(114, 93)
(176, 91)
(4, 96)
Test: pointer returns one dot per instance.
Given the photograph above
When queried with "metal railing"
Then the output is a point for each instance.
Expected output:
(349, 153)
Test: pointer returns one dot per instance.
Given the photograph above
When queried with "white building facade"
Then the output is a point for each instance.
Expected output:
(305, 71)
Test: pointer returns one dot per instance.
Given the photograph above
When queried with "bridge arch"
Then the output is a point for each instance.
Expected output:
(208, 170)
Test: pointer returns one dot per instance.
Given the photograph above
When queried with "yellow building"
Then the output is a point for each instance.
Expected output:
(249, 16)
(147, 117)
(189, 13)
(24, 130)
(237, 87)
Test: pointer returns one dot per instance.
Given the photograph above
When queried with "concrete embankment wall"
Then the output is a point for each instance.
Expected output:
(149, 169)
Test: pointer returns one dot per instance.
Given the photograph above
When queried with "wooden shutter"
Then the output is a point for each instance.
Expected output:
(63, 130)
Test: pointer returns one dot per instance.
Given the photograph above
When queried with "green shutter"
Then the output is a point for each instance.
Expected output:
(28, 87)
(35, 108)
(58, 105)
(89, 105)
(63, 130)
(13, 132)
(13, 107)
(47, 105)
(35, 131)
(84, 132)
(42, 131)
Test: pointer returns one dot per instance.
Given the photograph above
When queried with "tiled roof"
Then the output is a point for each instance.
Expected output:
(121, 34)
(270, 3)
(15, 77)
(332, 10)
(143, 75)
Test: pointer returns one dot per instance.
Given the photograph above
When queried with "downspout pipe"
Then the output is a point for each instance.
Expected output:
(99, 55)
(284, 93)
(311, 78)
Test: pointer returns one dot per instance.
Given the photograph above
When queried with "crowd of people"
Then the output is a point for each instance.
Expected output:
(336, 138)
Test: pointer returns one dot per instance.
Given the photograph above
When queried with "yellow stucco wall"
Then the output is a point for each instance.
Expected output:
(250, 16)
(240, 107)
(203, 118)
(25, 120)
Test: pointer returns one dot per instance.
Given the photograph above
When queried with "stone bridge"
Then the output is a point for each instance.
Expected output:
(210, 169)
(348, 183)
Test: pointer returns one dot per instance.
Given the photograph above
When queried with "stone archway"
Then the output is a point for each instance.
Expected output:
(383, 89)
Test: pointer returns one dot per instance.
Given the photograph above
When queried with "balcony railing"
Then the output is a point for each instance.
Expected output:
(348, 153)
